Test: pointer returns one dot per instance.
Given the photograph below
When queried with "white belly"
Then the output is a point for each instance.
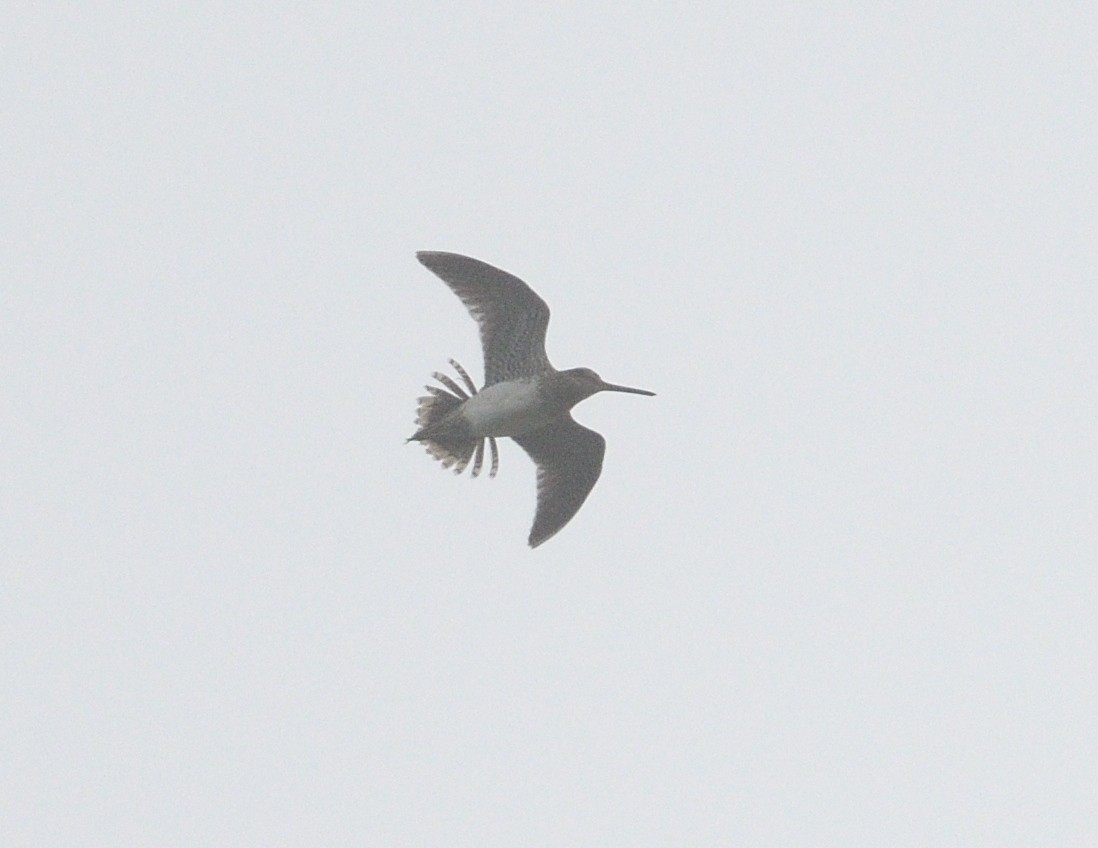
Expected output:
(506, 409)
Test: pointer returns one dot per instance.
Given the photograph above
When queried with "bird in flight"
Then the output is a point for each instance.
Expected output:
(523, 396)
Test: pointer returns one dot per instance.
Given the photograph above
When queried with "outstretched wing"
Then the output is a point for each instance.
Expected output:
(569, 461)
(511, 316)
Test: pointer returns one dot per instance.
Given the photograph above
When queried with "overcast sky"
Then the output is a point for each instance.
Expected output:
(837, 583)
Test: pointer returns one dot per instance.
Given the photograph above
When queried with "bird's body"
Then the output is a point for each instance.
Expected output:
(524, 397)
(510, 408)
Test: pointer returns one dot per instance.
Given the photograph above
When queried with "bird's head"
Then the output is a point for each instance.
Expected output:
(579, 383)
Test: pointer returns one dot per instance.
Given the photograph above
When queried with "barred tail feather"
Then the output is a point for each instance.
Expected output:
(434, 407)
(450, 449)
(452, 453)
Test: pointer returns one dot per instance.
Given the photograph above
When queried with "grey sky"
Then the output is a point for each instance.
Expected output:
(836, 585)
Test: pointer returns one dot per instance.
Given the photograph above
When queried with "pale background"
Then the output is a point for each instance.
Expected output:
(836, 586)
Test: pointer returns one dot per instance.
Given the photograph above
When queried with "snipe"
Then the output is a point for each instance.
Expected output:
(524, 396)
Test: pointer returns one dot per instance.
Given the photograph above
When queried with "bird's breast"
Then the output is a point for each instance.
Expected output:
(510, 408)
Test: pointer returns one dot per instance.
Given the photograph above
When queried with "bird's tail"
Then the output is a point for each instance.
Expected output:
(446, 443)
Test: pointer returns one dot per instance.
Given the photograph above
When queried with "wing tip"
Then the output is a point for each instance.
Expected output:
(536, 540)
(445, 264)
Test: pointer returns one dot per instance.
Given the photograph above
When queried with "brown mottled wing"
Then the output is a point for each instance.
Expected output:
(569, 461)
(511, 316)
